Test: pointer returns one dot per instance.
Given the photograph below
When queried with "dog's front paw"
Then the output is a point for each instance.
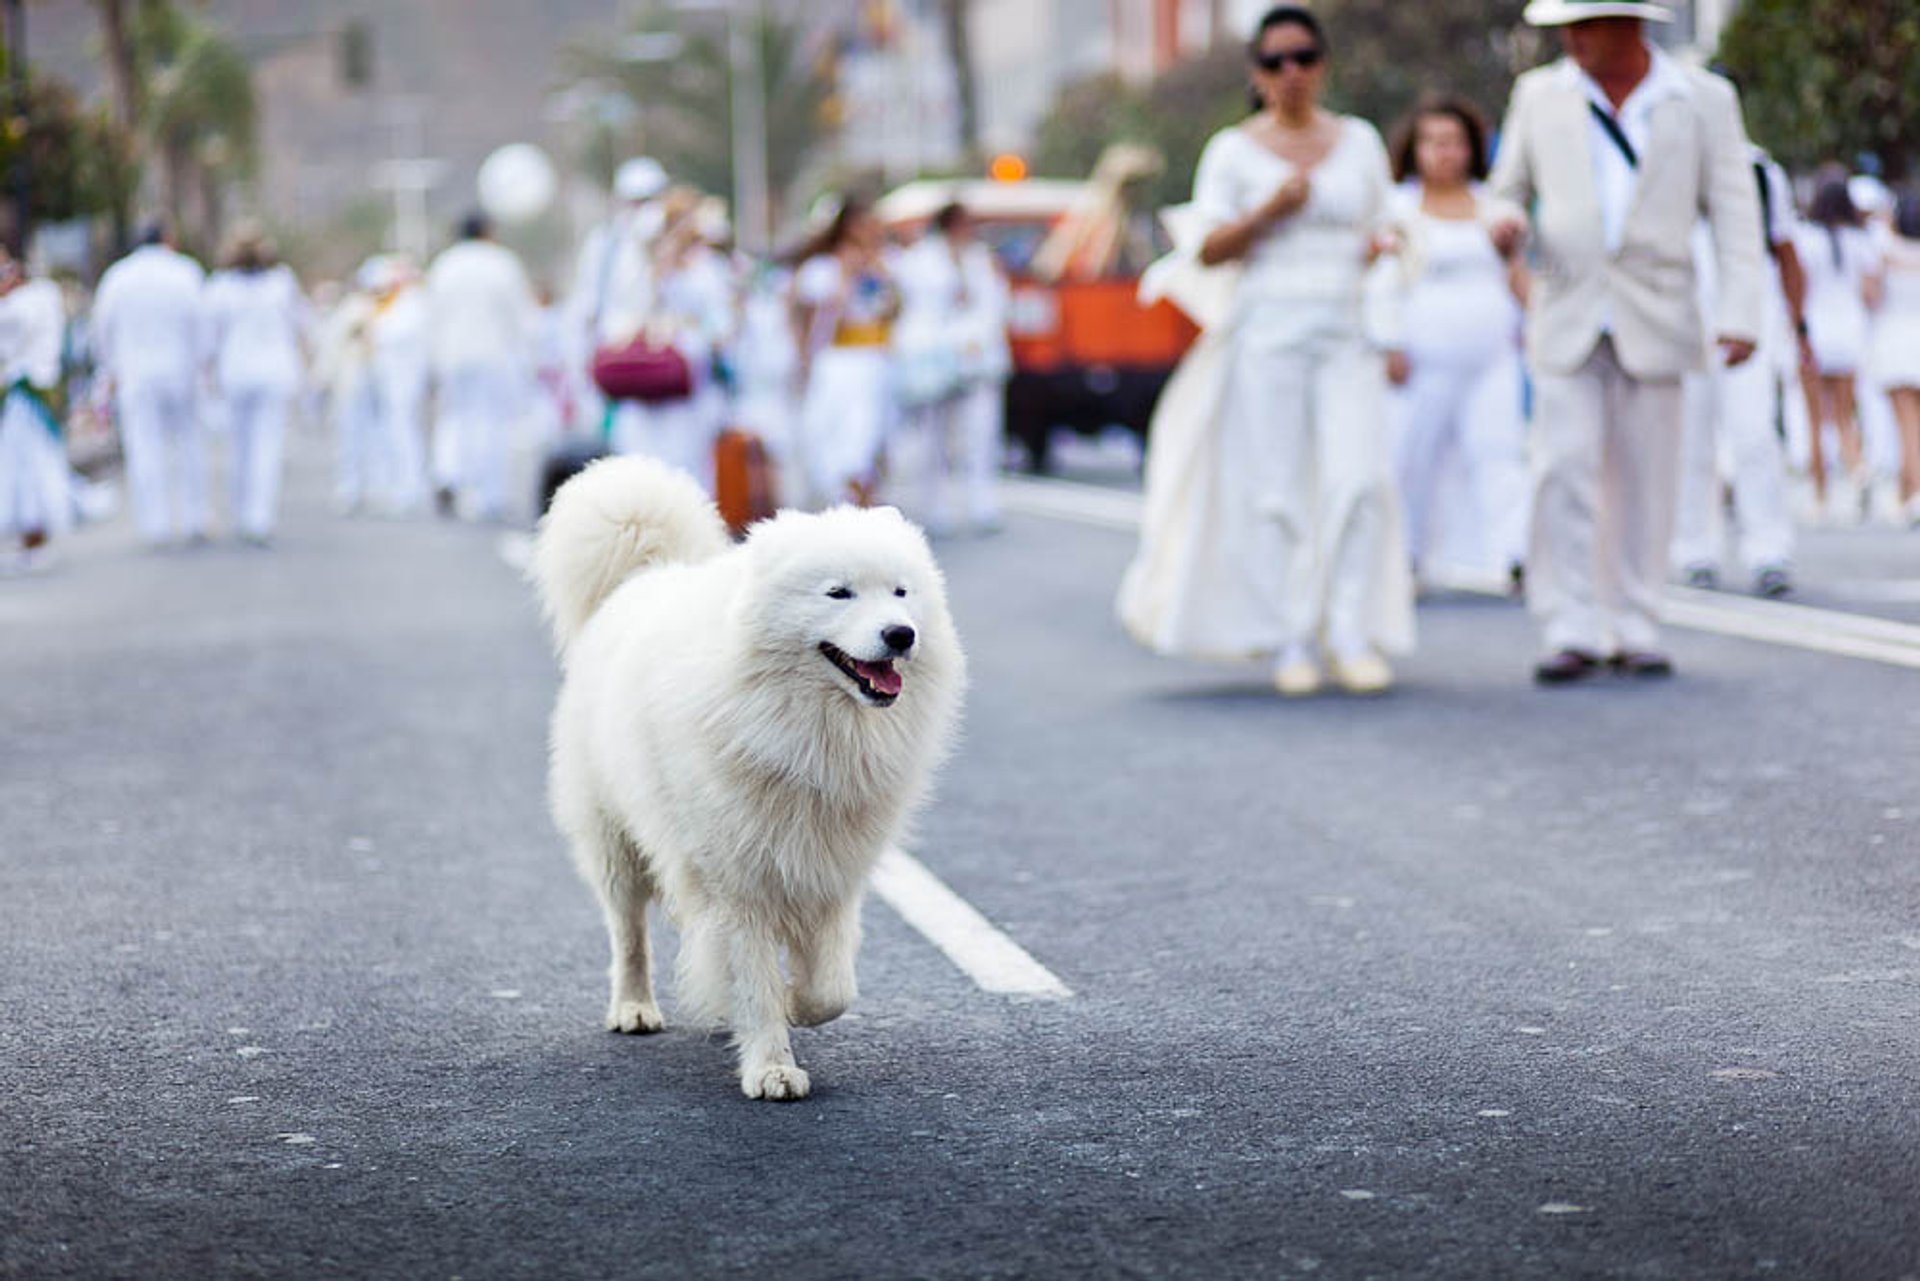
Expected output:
(781, 1081)
(634, 1016)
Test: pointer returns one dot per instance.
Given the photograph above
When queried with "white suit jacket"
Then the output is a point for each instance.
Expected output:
(1643, 294)
(146, 318)
(481, 308)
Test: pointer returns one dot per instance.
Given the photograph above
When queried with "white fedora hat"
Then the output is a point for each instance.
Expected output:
(1561, 13)
(641, 178)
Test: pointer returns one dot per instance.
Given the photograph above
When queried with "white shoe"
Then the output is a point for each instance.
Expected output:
(1365, 673)
(1297, 677)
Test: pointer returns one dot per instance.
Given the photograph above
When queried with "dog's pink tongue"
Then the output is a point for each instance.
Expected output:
(881, 676)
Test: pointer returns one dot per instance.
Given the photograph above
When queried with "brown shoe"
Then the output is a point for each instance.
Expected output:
(1641, 662)
(1565, 667)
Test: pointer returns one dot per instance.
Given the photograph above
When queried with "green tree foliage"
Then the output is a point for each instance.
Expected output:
(79, 163)
(1386, 54)
(682, 109)
(1829, 79)
(199, 114)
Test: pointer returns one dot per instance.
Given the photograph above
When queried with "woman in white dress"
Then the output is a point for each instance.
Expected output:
(36, 501)
(256, 323)
(1271, 527)
(1842, 271)
(1458, 362)
(845, 302)
(1896, 342)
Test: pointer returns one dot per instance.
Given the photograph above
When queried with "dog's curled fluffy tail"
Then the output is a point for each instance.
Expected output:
(613, 518)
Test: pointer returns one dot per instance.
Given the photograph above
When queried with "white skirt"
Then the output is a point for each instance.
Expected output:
(844, 419)
(36, 485)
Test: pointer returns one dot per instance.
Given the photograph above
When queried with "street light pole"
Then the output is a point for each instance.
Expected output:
(749, 112)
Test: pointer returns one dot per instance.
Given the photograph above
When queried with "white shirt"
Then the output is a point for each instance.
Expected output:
(146, 317)
(33, 321)
(481, 307)
(1614, 180)
(254, 323)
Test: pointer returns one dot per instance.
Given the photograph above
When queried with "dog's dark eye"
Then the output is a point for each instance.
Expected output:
(840, 593)
(899, 591)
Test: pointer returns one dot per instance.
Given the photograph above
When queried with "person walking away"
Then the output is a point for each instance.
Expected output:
(986, 362)
(36, 489)
(1617, 149)
(1271, 526)
(481, 316)
(1842, 273)
(1458, 364)
(400, 355)
(928, 381)
(1733, 410)
(1896, 342)
(766, 364)
(256, 323)
(845, 304)
(147, 337)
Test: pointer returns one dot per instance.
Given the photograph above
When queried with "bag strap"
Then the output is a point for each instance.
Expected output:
(1766, 209)
(1615, 132)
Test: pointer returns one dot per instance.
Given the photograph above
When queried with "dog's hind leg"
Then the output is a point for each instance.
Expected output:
(823, 979)
(625, 890)
(767, 1069)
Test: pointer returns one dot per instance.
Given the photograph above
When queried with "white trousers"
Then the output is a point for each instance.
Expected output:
(166, 453)
(257, 423)
(1731, 413)
(1606, 455)
(356, 427)
(1469, 411)
(398, 465)
(1321, 555)
(36, 484)
(478, 407)
(946, 455)
(679, 433)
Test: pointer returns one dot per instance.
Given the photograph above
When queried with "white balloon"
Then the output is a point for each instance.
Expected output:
(516, 182)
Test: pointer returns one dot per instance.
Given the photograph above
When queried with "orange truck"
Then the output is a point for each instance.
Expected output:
(1087, 356)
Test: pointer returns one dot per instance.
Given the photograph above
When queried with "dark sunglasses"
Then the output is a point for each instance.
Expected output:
(1306, 59)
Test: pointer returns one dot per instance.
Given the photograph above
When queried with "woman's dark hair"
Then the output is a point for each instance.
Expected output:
(834, 234)
(1906, 214)
(249, 250)
(1832, 207)
(951, 212)
(1406, 134)
(1279, 16)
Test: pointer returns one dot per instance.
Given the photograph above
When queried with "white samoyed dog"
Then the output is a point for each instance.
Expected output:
(741, 730)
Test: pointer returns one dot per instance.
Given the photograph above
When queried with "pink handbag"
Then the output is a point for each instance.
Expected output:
(643, 371)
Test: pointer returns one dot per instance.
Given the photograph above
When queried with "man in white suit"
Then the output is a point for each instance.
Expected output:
(1618, 151)
(147, 334)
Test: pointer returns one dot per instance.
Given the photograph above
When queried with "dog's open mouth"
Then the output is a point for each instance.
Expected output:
(880, 682)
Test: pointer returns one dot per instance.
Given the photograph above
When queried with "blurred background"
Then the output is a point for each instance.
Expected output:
(350, 127)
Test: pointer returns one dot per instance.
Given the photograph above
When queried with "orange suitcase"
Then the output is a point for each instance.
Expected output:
(742, 479)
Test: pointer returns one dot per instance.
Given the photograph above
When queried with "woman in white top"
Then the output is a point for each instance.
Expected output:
(1272, 528)
(256, 321)
(690, 306)
(845, 302)
(1896, 341)
(1458, 361)
(1842, 272)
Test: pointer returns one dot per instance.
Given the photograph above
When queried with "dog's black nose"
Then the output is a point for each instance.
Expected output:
(898, 638)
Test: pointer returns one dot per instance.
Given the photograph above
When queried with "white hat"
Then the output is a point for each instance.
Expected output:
(1561, 13)
(1869, 194)
(641, 178)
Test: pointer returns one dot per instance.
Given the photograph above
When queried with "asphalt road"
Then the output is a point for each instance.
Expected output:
(1474, 980)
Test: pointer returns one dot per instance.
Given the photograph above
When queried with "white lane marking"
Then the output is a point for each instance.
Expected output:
(1826, 631)
(992, 960)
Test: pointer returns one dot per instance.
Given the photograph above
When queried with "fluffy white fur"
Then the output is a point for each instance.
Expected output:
(708, 753)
